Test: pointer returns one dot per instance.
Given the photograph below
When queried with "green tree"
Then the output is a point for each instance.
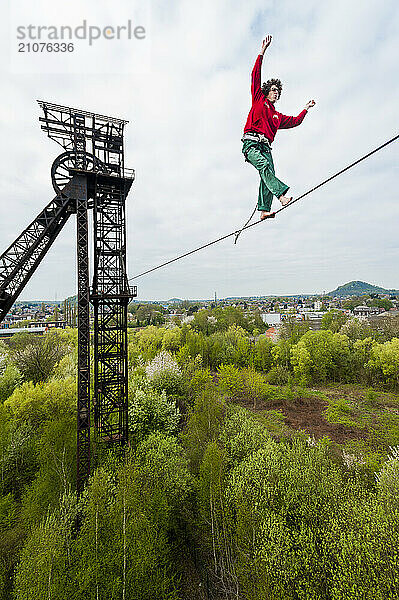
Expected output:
(148, 341)
(56, 469)
(385, 328)
(381, 303)
(354, 301)
(216, 539)
(333, 320)
(171, 340)
(151, 411)
(9, 380)
(384, 361)
(35, 404)
(204, 322)
(292, 330)
(356, 329)
(262, 354)
(45, 567)
(321, 356)
(285, 498)
(129, 510)
(366, 556)
(203, 425)
(37, 358)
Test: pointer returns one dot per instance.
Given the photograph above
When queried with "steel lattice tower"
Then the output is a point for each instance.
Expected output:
(89, 174)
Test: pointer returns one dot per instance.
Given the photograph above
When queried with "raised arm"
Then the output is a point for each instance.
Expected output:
(288, 122)
(256, 71)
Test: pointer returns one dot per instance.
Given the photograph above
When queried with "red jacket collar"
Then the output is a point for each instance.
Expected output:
(269, 104)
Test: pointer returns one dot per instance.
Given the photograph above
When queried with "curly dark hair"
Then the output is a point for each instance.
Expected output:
(266, 87)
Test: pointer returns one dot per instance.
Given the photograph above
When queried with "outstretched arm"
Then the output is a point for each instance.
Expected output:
(256, 71)
(288, 122)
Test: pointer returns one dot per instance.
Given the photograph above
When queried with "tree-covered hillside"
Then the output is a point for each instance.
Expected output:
(255, 470)
(360, 288)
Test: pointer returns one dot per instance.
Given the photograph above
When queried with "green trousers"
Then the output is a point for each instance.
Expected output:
(260, 156)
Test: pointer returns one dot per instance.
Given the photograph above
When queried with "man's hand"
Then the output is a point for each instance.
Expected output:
(266, 43)
(310, 104)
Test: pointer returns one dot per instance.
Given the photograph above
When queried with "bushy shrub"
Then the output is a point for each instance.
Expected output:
(149, 411)
(371, 398)
(278, 376)
(341, 411)
(164, 373)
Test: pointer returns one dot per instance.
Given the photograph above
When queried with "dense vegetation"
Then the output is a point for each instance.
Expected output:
(219, 495)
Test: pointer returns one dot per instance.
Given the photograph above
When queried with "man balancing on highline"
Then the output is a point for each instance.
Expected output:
(259, 131)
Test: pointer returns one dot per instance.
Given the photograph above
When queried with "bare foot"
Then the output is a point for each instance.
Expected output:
(267, 215)
(285, 200)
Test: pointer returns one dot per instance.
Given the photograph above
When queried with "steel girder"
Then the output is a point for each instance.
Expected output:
(23, 256)
(83, 400)
(110, 296)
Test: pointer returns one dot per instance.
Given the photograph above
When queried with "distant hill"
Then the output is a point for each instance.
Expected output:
(358, 288)
(72, 299)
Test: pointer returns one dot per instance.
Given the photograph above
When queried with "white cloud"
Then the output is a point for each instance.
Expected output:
(186, 117)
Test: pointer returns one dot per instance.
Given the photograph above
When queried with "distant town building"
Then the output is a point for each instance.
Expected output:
(366, 311)
(272, 334)
(271, 318)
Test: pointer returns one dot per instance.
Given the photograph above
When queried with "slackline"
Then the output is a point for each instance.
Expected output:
(248, 226)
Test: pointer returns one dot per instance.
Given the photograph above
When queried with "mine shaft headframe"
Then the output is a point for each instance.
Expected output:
(86, 136)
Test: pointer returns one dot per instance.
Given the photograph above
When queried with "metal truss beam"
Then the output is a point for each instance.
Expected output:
(83, 401)
(110, 296)
(23, 256)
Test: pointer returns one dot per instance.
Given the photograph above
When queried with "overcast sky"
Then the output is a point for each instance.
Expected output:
(185, 90)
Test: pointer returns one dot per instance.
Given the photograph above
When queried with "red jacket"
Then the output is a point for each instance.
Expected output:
(263, 117)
